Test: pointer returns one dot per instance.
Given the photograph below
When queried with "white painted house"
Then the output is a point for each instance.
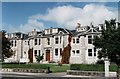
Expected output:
(51, 42)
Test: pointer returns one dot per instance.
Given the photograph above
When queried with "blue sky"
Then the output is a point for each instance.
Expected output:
(25, 16)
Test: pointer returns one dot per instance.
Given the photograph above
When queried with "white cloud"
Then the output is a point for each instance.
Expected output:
(32, 24)
(25, 28)
(68, 16)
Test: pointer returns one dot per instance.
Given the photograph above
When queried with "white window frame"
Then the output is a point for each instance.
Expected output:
(57, 41)
(90, 39)
(90, 54)
(57, 51)
(35, 41)
(77, 39)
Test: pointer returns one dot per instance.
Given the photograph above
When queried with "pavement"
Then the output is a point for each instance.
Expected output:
(63, 75)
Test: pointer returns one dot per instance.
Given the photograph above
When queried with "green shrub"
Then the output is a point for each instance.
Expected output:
(113, 67)
(100, 62)
(39, 58)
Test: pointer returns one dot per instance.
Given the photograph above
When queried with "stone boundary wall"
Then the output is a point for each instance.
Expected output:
(90, 73)
(24, 70)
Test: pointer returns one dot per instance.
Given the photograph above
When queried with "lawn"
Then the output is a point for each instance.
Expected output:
(63, 68)
(53, 67)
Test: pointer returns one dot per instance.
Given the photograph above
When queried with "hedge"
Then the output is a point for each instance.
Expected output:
(91, 67)
(27, 66)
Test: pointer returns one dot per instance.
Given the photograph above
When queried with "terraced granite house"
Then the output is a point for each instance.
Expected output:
(51, 42)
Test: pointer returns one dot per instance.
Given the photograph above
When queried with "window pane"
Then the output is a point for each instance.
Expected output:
(56, 52)
(94, 51)
(28, 42)
(39, 41)
(90, 39)
(73, 51)
(94, 54)
(35, 52)
(77, 40)
(89, 52)
(48, 40)
(15, 42)
(73, 40)
(11, 43)
(39, 52)
(77, 51)
(90, 36)
(60, 39)
(60, 51)
(35, 41)
(56, 40)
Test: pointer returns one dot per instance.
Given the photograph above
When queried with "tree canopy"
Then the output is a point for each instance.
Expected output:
(108, 42)
(6, 49)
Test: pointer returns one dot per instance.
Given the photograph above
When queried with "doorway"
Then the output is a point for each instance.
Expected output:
(47, 55)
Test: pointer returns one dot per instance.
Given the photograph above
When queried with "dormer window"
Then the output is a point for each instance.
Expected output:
(50, 31)
(60, 32)
(39, 34)
(47, 31)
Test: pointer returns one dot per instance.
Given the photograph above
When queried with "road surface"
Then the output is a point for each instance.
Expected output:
(16, 75)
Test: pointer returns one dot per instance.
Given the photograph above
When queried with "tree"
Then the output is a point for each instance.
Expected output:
(108, 42)
(66, 51)
(30, 55)
(6, 46)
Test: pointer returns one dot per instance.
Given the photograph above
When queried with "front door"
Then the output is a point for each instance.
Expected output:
(47, 55)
